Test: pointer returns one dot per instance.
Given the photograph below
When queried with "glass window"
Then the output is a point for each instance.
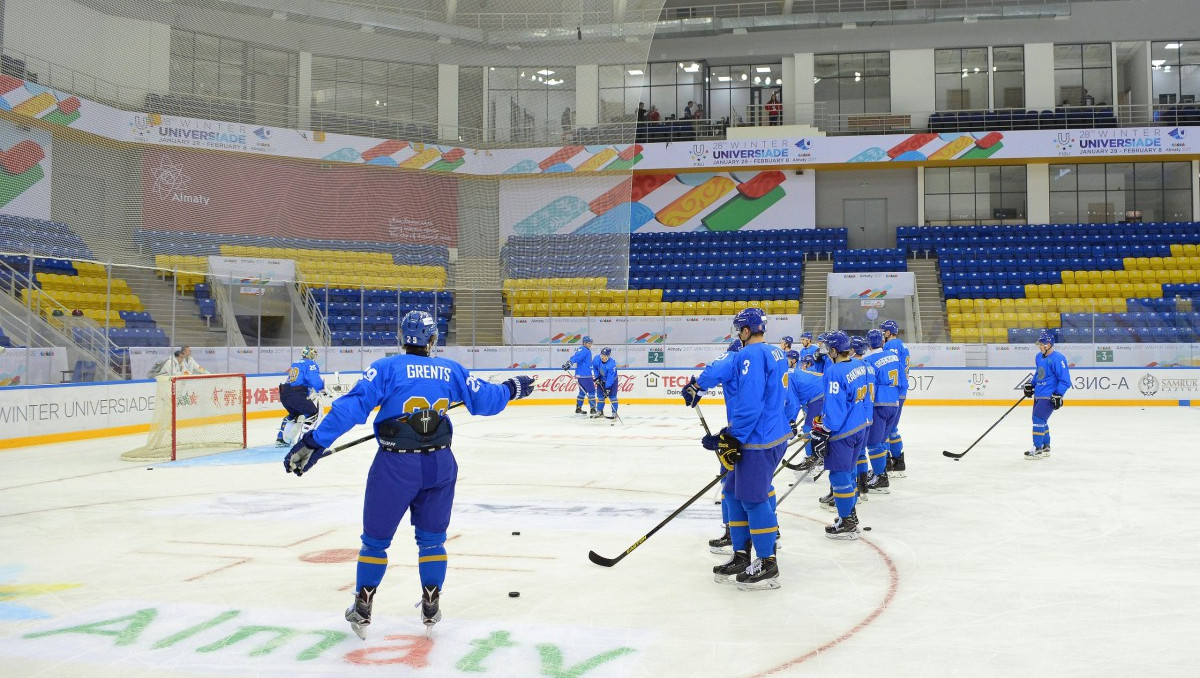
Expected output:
(1083, 74)
(1104, 193)
(850, 84)
(527, 107)
(974, 195)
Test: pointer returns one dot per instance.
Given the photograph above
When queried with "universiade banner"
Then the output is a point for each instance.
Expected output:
(869, 286)
(614, 330)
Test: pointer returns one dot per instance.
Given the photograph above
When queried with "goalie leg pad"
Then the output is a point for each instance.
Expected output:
(431, 558)
(372, 561)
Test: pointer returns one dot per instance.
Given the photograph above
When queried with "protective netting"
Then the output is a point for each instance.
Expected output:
(195, 415)
(360, 144)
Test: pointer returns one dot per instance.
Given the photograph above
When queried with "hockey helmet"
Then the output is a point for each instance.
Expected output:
(1046, 338)
(753, 318)
(793, 355)
(890, 326)
(734, 346)
(806, 335)
(418, 328)
(606, 351)
(859, 344)
(875, 338)
(787, 339)
(586, 340)
(838, 341)
(309, 353)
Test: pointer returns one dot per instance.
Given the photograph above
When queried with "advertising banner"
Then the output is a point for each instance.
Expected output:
(20, 366)
(936, 355)
(24, 172)
(721, 201)
(606, 330)
(252, 271)
(871, 286)
(1099, 355)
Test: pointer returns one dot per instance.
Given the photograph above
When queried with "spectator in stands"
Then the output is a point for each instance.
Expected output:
(688, 112)
(568, 121)
(182, 363)
(653, 115)
(1087, 99)
(641, 111)
(775, 110)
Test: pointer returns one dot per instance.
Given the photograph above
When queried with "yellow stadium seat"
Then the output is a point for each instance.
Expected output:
(1143, 264)
(1191, 250)
(1129, 263)
(1025, 320)
(1095, 277)
(1084, 291)
(1177, 250)
(793, 306)
(1007, 305)
(997, 335)
(1032, 291)
(1052, 321)
(957, 335)
(1156, 263)
(954, 319)
(970, 319)
(1108, 276)
(1068, 276)
(1120, 276)
(995, 319)
(952, 306)
(993, 305)
(729, 307)
(971, 335)
(1012, 319)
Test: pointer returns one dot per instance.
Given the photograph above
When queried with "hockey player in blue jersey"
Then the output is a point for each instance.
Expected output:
(891, 342)
(818, 358)
(858, 345)
(604, 372)
(785, 343)
(750, 447)
(839, 431)
(807, 349)
(887, 407)
(807, 390)
(298, 394)
(724, 544)
(414, 468)
(1047, 388)
(581, 362)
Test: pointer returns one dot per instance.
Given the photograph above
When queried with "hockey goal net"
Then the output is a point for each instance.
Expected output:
(195, 415)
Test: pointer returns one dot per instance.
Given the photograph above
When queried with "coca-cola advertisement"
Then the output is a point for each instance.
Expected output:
(187, 190)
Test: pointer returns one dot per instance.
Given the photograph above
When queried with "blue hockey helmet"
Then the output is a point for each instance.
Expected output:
(734, 346)
(806, 335)
(859, 344)
(309, 353)
(606, 351)
(787, 339)
(418, 328)
(586, 339)
(874, 338)
(890, 326)
(1046, 338)
(753, 318)
(838, 341)
(793, 355)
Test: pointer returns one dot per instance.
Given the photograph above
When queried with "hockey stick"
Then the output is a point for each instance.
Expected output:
(609, 562)
(960, 455)
(370, 436)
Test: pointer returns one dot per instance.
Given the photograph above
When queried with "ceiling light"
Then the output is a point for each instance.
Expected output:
(1172, 45)
(976, 69)
(816, 80)
(762, 69)
(545, 71)
(636, 71)
(758, 79)
(692, 68)
(723, 78)
(1158, 62)
(744, 76)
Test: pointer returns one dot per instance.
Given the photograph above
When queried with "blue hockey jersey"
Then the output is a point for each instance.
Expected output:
(804, 390)
(887, 376)
(605, 373)
(401, 384)
(755, 405)
(582, 360)
(304, 372)
(1053, 377)
(894, 344)
(846, 389)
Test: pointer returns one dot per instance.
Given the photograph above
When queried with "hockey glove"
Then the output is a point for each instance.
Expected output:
(709, 442)
(567, 366)
(1027, 387)
(729, 449)
(1056, 401)
(303, 455)
(820, 438)
(600, 392)
(691, 393)
(519, 387)
(795, 429)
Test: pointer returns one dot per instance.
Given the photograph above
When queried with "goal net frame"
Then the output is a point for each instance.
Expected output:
(164, 443)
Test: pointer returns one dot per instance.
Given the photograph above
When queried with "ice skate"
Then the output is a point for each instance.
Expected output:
(762, 574)
(879, 484)
(579, 409)
(896, 466)
(1038, 453)
(843, 528)
(431, 609)
(611, 416)
(722, 545)
(827, 502)
(280, 442)
(597, 414)
(359, 613)
(862, 487)
(723, 574)
(591, 412)
(809, 468)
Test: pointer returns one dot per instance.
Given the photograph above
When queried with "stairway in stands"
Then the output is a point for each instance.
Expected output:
(815, 300)
(930, 304)
(156, 296)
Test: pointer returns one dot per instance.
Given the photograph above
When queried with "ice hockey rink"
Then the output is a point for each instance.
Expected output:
(1083, 564)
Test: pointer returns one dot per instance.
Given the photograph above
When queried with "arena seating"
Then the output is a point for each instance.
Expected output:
(204, 244)
(1009, 119)
(861, 261)
(1091, 282)
(42, 239)
(5, 341)
(372, 316)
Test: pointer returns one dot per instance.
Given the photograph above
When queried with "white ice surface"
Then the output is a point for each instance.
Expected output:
(1085, 564)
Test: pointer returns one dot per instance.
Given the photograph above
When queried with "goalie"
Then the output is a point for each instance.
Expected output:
(299, 394)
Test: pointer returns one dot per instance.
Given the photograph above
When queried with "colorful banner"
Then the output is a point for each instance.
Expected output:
(743, 200)
(239, 194)
(650, 330)
(24, 171)
(870, 151)
(869, 286)
(21, 366)
(1099, 355)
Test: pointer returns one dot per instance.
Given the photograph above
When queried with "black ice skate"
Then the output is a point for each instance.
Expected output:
(879, 484)
(843, 528)
(723, 574)
(722, 545)
(596, 414)
(827, 502)
(896, 466)
(579, 409)
(591, 411)
(431, 609)
(359, 613)
(1038, 453)
(862, 487)
(762, 574)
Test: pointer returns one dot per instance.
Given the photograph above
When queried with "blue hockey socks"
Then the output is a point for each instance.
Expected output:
(431, 558)
(372, 562)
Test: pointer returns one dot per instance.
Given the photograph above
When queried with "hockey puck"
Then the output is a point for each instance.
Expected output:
(516, 534)
(514, 594)
(866, 529)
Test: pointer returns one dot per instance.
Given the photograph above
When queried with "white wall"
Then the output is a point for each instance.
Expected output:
(447, 100)
(587, 95)
(912, 83)
(1039, 76)
(1037, 187)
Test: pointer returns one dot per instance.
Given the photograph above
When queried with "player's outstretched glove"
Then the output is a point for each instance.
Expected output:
(519, 387)
(820, 438)
(709, 442)
(1027, 387)
(567, 366)
(691, 393)
(1056, 401)
(303, 455)
(729, 449)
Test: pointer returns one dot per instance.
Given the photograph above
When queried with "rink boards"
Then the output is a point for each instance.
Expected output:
(33, 415)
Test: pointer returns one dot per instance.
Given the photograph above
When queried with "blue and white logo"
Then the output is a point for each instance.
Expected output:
(1177, 134)
(804, 145)
(262, 133)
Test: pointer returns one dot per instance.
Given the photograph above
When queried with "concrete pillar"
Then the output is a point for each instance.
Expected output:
(447, 101)
(1037, 198)
(1039, 76)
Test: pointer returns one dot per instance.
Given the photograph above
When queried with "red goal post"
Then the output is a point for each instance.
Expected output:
(195, 414)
